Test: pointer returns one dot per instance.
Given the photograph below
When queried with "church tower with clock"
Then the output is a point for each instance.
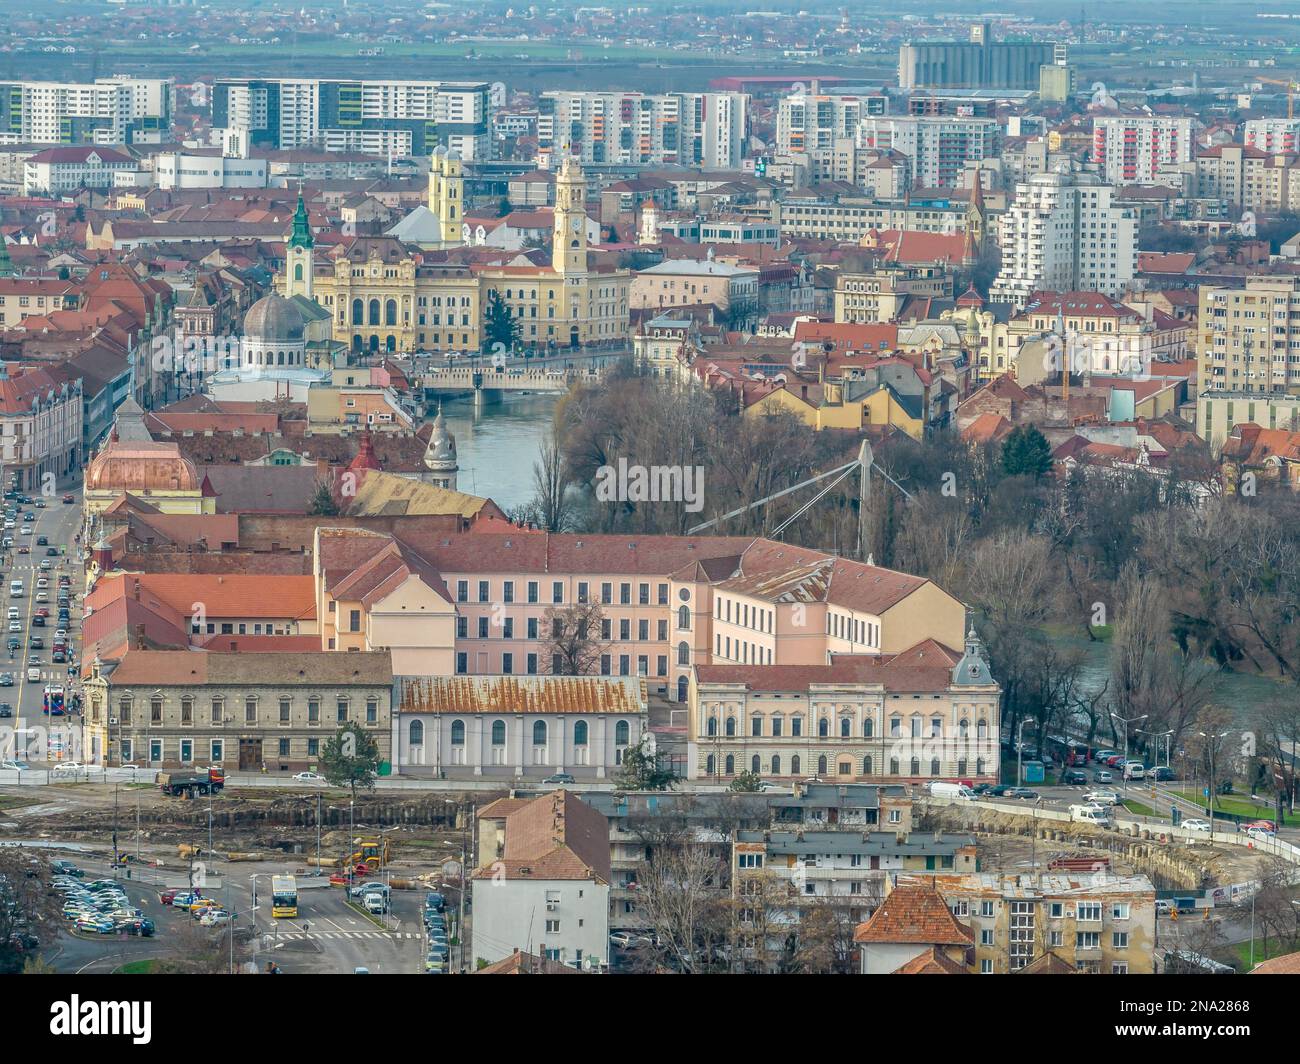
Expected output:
(569, 251)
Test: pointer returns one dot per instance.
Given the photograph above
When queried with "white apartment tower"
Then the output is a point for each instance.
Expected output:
(1273, 134)
(1134, 149)
(706, 129)
(1063, 234)
(113, 110)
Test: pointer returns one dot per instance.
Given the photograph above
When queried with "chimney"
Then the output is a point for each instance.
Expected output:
(137, 589)
(139, 636)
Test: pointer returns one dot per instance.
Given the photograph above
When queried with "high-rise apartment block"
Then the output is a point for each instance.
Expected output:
(1248, 355)
(939, 147)
(114, 110)
(706, 129)
(1063, 233)
(400, 118)
(1133, 149)
(1272, 134)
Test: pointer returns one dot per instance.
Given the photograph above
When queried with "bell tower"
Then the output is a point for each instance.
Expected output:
(447, 194)
(569, 251)
(298, 263)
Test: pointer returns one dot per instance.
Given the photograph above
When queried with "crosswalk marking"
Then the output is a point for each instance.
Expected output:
(296, 936)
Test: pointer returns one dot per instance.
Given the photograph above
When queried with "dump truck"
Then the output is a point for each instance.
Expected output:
(207, 781)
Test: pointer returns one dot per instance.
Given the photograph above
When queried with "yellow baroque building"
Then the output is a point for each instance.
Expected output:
(385, 295)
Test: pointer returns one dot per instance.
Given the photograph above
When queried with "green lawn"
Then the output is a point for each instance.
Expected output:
(1241, 806)
(1239, 952)
(1137, 807)
(136, 968)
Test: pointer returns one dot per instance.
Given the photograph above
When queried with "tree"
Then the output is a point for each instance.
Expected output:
(574, 638)
(29, 908)
(197, 950)
(641, 769)
(747, 782)
(680, 899)
(500, 327)
(1026, 452)
(351, 758)
(322, 502)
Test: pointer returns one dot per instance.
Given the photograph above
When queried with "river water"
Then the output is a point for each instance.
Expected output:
(498, 443)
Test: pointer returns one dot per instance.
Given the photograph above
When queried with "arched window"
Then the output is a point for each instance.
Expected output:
(846, 727)
(794, 765)
(374, 312)
(390, 312)
(893, 766)
(457, 733)
(866, 765)
(297, 271)
(683, 653)
(823, 727)
(712, 726)
(539, 733)
(622, 733)
(417, 733)
(868, 728)
(963, 728)
(498, 733)
(731, 766)
(915, 768)
(710, 765)
(684, 617)
(821, 765)
(580, 733)
(981, 730)
(755, 765)
(681, 689)
(776, 764)
(358, 312)
(979, 766)
(731, 726)
(934, 766)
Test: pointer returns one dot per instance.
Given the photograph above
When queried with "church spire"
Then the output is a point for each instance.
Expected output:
(301, 237)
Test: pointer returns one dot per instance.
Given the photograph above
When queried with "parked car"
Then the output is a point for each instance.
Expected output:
(66, 868)
(1260, 834)
(144, 927)
(1259, 825)
(1114, 760)
(1162, 773)
(1026, 794)
(435, 901)
(1196, 825)
(1103, 775)
(560, 777)
(1102, 798)
(214, 918)
(1073, 776)
(308, 777)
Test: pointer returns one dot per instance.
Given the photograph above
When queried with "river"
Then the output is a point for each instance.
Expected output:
(498, 443)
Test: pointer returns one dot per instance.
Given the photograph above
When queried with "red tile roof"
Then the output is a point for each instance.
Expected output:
(916, 913)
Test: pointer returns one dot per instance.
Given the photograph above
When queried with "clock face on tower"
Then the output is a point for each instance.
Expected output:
(577, 225)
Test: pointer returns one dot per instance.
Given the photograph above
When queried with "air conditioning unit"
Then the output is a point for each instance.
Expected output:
(552, 906)
(112, 720)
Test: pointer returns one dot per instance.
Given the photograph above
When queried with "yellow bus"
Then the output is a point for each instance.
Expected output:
(284, 896)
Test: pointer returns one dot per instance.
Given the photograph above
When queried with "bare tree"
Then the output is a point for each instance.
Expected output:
(29, 909)
(573, 639)
(679, 895)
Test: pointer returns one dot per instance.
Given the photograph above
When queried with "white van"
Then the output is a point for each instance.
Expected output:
(1134, 770)
(939, 789)
(1090, 814)
(15, 589)
(376, 903)
(34, 674)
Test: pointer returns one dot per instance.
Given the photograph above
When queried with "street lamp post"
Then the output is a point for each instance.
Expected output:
(1020, 747)
(1126, 721)
(1212, 737)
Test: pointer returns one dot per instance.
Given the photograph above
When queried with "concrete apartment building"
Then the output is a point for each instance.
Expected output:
(937, 147)
(1063, 233)
(704, 129)
(823, 126)
(378, 117)
(1093, 922)
(847, 219)
(1272, 134)
(1134, 149)
(1248, 178)
(1248, 356)
(112, 110)
(241, 711)
(542, 885)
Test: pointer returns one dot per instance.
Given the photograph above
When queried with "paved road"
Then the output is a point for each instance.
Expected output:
(59, 523)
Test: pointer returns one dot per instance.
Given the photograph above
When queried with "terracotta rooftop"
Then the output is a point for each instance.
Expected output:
(523, 694)
(914, 913)
(554, 837)
(932, 962)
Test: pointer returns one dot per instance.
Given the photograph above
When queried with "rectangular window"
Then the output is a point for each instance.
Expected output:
(508, 591)
(313, 747)
(342, 709)
(372, 711)
(284, 711)
(483, 589)
(462, 590)
(284, 747)
(218, 711)
(507, 664)
(462, 663)
(218, 750)
(532, 591)
(557, 591)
